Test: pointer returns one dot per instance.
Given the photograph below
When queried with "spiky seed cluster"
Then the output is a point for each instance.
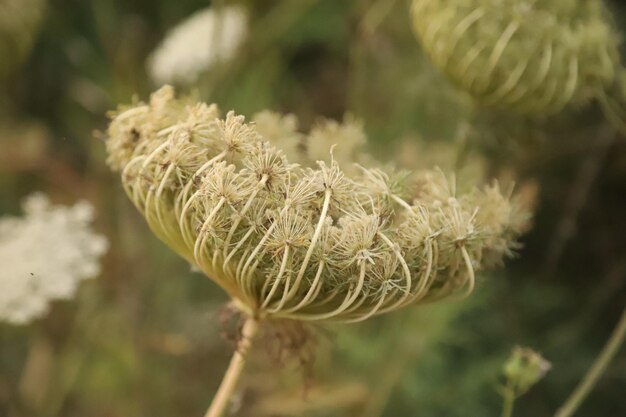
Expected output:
(306, 242)
(282, 131)
(534, 57)
(347, 137)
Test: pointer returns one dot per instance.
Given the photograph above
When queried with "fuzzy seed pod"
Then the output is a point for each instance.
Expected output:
(533, 57)
(306, 241)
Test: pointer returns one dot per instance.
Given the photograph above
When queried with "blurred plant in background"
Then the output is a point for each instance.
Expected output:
(45, 256)
(522, 370)
(532, 57)
(19, 27)
(142, 339)
(203, 40)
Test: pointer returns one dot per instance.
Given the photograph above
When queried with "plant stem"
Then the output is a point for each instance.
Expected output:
(509, 400)
(34, 382)
(595, 372)
(229, 382)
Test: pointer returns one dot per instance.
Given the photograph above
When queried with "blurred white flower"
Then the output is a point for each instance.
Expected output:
(44, 256)
(207, 37)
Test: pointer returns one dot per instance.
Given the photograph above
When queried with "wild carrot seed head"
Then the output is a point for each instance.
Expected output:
(532, 57)
(315, 242)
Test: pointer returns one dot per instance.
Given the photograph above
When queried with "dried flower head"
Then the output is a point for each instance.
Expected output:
(310, 241)
(44, 256)
(206, 38)
(534, 57)
(282, 131)
(347, 139)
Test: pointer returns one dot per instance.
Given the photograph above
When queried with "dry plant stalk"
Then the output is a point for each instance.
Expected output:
(323, 240)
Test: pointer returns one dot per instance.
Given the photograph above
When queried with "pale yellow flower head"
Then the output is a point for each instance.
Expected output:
(310, 241)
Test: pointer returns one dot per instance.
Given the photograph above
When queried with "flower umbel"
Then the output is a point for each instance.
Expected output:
(208, 37)
(310, 241)
(44, 256)
(534, 57)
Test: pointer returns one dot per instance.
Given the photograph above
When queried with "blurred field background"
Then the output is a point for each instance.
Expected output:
(149, 337)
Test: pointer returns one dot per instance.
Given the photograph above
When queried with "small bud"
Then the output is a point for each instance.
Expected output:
(524, 368)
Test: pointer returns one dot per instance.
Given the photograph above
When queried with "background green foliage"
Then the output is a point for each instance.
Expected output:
(147, 337)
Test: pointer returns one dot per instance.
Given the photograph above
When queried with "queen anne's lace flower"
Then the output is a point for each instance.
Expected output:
(44, 256)
(309, 241)
(206, 38)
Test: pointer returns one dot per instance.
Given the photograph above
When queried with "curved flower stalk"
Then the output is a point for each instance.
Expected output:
(534, 57)
(305, 242)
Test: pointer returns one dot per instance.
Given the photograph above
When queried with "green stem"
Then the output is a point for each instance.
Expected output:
(509, 400)
(595, 372)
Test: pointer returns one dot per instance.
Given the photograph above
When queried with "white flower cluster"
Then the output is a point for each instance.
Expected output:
(204, 39)
(44, 256)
